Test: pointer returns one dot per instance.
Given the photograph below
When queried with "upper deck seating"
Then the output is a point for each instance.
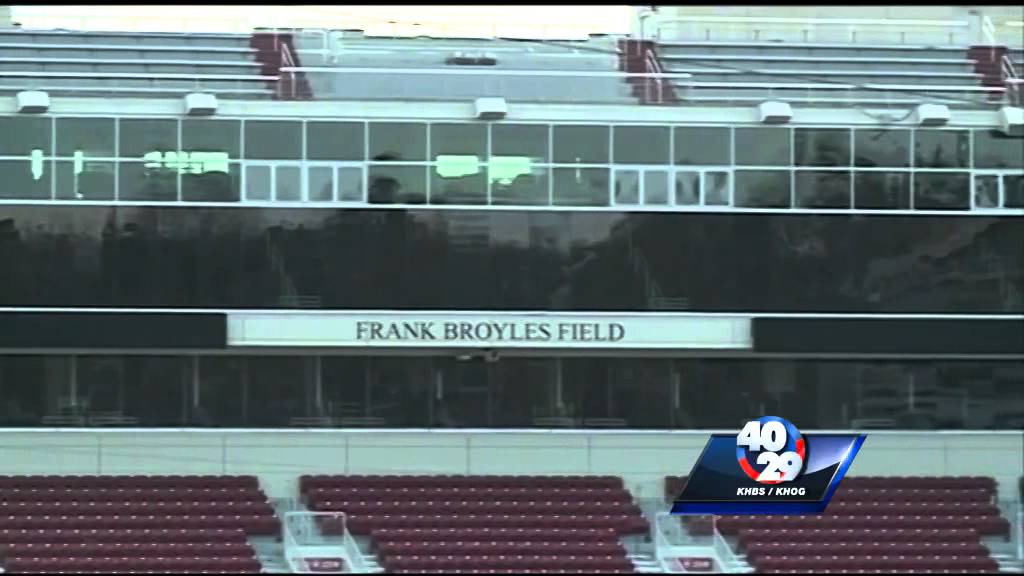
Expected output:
(839, 74)
(531, 523)
(132, 523)
(877, 523)
(152, 65)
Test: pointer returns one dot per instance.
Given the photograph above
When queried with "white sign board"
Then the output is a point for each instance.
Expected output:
(488, 330)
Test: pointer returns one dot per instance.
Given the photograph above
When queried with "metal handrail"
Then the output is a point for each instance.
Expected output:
(487, 72)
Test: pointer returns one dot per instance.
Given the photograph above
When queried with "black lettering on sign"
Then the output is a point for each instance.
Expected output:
(491, 331)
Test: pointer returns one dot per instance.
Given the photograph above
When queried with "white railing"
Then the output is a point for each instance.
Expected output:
(304, 544)
(723, 551)
(844, 30)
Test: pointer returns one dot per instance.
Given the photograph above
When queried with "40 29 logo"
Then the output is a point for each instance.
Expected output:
(770, 450)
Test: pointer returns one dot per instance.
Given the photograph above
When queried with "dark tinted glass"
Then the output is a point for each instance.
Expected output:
(89, 180)
(521, 140)
(219, 185)
(696, 146)
(763, 146)
(28, 178)
(144, 181)
(882, 190)
(32, 387)
(451, 185)
(222, 137)
(20, 136)
(458, 140)
(942, 191)
(822, 189)
(993, 149)
(641, 145)
(335, 141)
(272, 140)
(89, 137)
(942, 149)
(882, 148)
(140, 139)
(581, 186)
(397, 184)
(762, 189)
(398, 141)
(581, 144)
(821, 147)
(519, 185)
(1013, 191)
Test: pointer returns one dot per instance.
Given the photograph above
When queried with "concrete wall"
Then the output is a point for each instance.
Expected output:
(5, 16)
(642, 458)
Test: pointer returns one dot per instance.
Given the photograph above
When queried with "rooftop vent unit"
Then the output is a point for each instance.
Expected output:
(774, 112)
(490, 108)
(198, 104)
(1011, 121)
(471, 59)
(932, 114)
(33, 101)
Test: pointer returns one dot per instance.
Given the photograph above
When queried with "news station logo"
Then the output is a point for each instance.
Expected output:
(769, 467)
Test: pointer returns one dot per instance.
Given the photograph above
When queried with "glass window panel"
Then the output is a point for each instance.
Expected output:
(697, 146)
(335, 141)
(716, 188)
(398, 141)
(882, 190)
(272, 140)
(287, 184)
(280, 388)
(520, 141)
(986, 191)
(762, 147)
(627, 187)
(32, 387)
(85, 137)
(147, 182)
(321, 183)
(580, 145)
(221, 389)
(257, 183)
(85, 180)
(641, 145)
(521, 185)
(656, 188)
(762, 189)
(211, 186)
(822, 147)
(458, 140)
(993, 149)
(942, 191)
(822, 189)
(100, 386)
(397, 184)
(350, 184)
(222, 137)
(458, 185)
(140, 139)
(1013, 191)
(941, 148)
(882, 148)
(156, 389)
(687, 188)
(27, 179)
(581, 186)
(19, 136)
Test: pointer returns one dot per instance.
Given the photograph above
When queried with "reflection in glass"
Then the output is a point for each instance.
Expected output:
(25, 179)
(941, 149)
(335, 141)
(580, 145)
(350, 184)
(641, 145)
(287, 184)
(398, 141)
(824, 189)
(221, 389)
(942, 191)
(993, 149)
(458, 180)
(90, 137)
(20, 136)
(627, 187)
(986, 191)
(821, 147)
(762, 147)
(881, 148)
(687, 188)
(139, 138)
(138, 181)
(273, 140)
(397, 184)
(655, 188)
(519, 183)
(762, 189)
(882, 190)
(85, 180)
(581, 187)
(321, 183)
(716, 188)
(699, 146)
(211, 186)
(257, 183)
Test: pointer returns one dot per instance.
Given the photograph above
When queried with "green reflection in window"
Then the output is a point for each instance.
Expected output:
(452, 166)
(188, 162)
(37, 164)
(505, 169)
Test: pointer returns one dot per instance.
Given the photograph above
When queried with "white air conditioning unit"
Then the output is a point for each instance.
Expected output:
(1011, 121)
(33, 101)
(198, 104)
(774, 112)
(932, 114)
(490, 108)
